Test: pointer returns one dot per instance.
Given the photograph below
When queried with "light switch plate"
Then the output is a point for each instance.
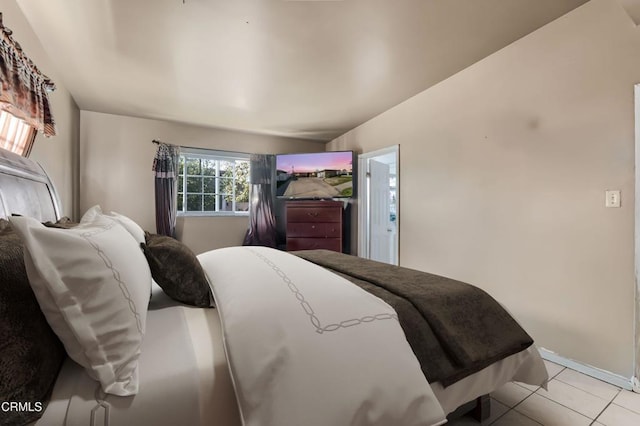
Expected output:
(612, 198)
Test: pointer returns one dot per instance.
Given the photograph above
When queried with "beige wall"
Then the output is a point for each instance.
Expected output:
(58, 154)
(116, 155)
(503, 169)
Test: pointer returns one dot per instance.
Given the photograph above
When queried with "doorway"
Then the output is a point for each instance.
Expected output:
(378, 213)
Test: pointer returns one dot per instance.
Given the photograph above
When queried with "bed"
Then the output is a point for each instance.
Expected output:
(201, 366)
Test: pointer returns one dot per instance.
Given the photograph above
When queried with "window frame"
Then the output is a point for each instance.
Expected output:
(212, 155)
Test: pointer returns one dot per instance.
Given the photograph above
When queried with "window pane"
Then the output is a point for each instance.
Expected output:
(194, 202)
(209, 167)
(193, 166)
(242, 171)
(226, 168)
(209, 185)
(194, 184)
(225, 203)
(242, 206)
(209, 203)
(242, 192)
(226, 186)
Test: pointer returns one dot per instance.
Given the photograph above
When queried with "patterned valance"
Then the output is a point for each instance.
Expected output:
(165, 163)
(23, 88)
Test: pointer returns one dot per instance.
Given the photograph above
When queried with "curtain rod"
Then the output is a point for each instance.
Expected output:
(158, 142)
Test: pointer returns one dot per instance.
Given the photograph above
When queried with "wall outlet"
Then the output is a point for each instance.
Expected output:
(612, 198)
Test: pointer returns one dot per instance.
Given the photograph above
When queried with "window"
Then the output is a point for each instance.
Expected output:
(213, 183)
(16, 135)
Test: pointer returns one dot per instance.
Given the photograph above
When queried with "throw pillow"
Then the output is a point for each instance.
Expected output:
(177, 270)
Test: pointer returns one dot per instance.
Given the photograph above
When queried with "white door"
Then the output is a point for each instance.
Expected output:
(380, 243)
(378, 205)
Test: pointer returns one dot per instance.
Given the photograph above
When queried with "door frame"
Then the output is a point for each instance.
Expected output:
(635, 379)
(364, 226)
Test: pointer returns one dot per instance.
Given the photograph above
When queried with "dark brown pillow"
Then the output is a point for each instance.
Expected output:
(30, 353)
(177, 270)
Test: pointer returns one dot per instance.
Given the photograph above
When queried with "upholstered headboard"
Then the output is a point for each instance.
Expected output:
(26, 189)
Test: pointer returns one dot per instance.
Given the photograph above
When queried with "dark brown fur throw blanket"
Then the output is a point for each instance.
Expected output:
(455, 329)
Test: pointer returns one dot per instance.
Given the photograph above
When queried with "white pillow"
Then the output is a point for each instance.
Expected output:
(129, 224)
(93, 284)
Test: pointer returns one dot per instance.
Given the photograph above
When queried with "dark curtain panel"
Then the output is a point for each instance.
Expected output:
(262, 222)
(165, 166)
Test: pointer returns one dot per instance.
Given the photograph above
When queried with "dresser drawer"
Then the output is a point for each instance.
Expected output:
(314, 214)
(313, 230)
(334, 244)
(314, 225)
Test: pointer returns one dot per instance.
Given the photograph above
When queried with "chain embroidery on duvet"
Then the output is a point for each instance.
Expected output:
(101, 399)
(309, 310)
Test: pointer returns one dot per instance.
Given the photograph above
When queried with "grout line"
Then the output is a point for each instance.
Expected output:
(593, 421)
(524, 415)
(524, 387)
(569, 408)
(556, 402)
(625, 408)
(512, 409)
(519, 413)
(501, 415)
(592, 394)
(605, 408)
(555, 375)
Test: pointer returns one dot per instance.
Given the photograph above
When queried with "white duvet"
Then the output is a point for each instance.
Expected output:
(306, 347)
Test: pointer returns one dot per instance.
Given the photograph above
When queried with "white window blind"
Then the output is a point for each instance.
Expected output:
(15, 134)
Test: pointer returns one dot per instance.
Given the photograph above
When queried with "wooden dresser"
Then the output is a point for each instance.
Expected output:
(314, 225)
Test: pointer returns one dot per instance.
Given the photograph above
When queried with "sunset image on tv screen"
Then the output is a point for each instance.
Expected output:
(315, 175)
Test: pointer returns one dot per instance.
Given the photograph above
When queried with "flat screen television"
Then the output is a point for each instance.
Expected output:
(318, 175)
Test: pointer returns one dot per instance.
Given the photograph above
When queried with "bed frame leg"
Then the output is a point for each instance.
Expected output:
(482, 410)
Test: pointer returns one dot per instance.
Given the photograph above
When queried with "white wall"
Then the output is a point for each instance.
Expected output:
(58, 154)
(503, 169)
(116, 156)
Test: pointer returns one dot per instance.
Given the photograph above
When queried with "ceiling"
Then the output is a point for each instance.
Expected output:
(310, 69)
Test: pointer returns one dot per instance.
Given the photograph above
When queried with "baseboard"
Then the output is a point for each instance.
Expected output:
(605, 376)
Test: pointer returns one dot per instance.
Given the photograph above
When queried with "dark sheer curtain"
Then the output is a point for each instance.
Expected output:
(165, 166)
(262, 222)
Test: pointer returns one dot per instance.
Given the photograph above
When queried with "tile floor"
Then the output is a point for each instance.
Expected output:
(573, 399)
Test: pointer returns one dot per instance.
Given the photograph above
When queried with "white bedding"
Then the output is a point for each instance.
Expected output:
(526, 366)
(307, 347)
(168, 383)
(208, 379)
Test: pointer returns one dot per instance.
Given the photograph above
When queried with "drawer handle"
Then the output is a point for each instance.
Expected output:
(312, 213)
(313, 227)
